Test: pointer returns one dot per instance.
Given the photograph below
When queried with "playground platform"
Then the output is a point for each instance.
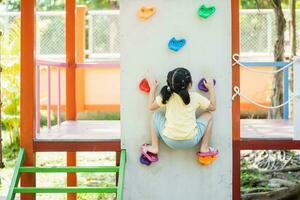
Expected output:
(266, 129)
(80, 135)
(82, 130)
(110, 130)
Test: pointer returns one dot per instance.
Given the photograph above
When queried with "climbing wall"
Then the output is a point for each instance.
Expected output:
(145, 52)
(296, 103)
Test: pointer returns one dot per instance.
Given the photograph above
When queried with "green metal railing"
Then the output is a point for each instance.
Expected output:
(14, 189)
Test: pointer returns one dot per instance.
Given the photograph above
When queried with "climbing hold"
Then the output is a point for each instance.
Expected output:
(145, 12)
(206, 11)
(176, 45)
(144, 160)
(150, 156)
(201, 85)
(144, 86)
(206, 160)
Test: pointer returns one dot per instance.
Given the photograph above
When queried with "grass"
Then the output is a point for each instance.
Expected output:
(98, 115)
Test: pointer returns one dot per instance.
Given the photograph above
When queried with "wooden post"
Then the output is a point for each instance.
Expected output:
(80, 47)
(27, 107)
(70, 85)
(235, 39)
(296, 102)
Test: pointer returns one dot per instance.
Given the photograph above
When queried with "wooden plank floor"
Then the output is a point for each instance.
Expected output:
(82, 130)
(99, 130)
(266, 129)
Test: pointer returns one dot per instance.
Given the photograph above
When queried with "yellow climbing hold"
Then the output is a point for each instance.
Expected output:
(145, 12)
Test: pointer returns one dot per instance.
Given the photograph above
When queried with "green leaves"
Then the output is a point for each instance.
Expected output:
(10, 50)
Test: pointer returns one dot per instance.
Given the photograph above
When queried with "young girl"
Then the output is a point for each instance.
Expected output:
(178, 127)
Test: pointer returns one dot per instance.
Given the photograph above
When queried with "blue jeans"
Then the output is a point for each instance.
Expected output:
(159, 121)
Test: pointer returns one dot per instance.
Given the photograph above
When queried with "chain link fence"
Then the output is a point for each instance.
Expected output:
(258, 32)
(104, 34)
(51, 34)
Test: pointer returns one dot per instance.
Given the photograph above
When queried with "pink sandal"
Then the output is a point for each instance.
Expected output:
(210, 152)
(150, 156)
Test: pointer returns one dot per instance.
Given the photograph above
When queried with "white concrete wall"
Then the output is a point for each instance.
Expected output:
(144, 51)
(296, 102)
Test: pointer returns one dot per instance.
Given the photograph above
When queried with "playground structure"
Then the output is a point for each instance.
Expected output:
(177, 175)
(97, 20)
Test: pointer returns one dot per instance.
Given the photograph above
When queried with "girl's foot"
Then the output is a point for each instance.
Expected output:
(209, 152)
(151, 149)
(204, 148)
(145, 150)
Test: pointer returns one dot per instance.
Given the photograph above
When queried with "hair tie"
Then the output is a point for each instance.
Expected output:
(169, 89)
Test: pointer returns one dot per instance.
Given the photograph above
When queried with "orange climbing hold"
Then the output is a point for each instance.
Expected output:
(145, 12)
(206, 160)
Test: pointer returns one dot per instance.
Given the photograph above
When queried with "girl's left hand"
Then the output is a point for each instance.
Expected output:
(153, 84)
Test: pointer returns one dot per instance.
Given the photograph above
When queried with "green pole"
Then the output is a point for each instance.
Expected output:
(16, 176)
(121, 175)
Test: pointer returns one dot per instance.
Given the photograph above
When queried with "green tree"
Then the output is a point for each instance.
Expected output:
(10, 50)
(50, 5)
(11, 81)
(261, 4)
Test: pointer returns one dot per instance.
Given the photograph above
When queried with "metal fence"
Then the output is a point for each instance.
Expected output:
(258, 32)
(104, 34)
(51, 36)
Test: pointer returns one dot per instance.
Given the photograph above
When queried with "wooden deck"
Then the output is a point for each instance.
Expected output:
(82, 130)
(81, 135)
(91, 130)
(266, 129)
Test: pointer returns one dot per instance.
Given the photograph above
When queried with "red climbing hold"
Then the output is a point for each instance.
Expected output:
(144, 86)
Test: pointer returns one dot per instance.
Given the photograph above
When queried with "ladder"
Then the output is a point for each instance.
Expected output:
(19, 169)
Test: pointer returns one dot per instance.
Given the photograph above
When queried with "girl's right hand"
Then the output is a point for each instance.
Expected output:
(153, 84)
(209, 84)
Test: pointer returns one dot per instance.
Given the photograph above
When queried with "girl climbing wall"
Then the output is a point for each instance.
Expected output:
(178, 127)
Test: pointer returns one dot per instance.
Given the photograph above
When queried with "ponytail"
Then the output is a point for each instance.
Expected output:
(178, 81)
(185, 96)
(165, 93)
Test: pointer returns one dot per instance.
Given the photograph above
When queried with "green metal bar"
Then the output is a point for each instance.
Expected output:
(121, 175)
(66, 190)
(103, 169)
(16, 176)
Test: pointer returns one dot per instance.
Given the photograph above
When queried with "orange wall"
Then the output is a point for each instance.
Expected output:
(257, 86)
(54, 86)
(102, 87)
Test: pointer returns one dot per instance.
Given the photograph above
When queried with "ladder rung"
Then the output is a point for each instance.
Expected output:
(66, 190)
(103, 169)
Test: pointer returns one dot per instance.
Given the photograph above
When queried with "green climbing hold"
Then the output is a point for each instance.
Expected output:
(206, 11)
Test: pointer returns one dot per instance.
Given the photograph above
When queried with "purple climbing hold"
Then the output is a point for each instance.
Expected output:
(144, 160)
(201, 85)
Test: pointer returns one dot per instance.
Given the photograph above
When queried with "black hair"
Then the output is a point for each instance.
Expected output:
(178, 81)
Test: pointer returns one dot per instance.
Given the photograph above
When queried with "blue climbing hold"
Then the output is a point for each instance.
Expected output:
(176, 45)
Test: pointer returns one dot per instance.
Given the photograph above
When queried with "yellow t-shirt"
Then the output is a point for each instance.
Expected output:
(181, 118)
